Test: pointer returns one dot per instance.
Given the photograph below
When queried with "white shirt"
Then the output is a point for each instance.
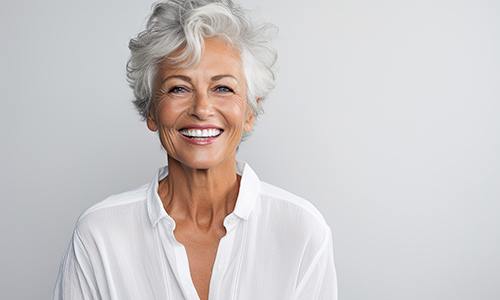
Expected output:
(277, 246)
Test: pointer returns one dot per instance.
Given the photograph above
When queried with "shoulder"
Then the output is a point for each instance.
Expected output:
(116, 201)
(296, 214)
(277, 196)
(113, 211)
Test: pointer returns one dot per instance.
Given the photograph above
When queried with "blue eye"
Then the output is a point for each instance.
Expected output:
(223, 89)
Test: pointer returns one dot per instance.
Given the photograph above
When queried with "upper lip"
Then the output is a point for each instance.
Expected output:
(198, 126)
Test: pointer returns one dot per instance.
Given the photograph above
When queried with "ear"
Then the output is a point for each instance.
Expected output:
(250, 118)
(151, 123)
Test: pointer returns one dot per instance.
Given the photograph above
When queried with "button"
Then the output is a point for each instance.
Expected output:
(170, 223)
(231, 223)
(228, 221)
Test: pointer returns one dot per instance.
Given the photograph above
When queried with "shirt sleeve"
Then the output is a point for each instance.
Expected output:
(320, 280)
(76, 279)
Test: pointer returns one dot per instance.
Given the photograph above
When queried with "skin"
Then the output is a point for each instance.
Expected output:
(202, 185)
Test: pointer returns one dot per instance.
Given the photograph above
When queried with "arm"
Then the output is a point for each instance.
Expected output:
(319, 282)
(76, 279)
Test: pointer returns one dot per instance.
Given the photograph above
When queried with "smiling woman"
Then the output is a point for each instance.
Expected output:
(202, 105)
(206, 226)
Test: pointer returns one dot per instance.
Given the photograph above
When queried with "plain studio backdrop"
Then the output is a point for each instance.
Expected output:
(385, 117)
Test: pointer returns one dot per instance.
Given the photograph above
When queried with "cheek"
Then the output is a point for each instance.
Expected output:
(167, 113)
(234, 113)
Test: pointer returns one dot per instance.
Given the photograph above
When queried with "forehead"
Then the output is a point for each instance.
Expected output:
(217, 56)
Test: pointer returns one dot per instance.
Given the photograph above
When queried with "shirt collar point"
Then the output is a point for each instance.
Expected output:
(247, 195)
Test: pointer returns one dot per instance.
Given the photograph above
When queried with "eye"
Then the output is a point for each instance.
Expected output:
(223, 89)
(178, 90)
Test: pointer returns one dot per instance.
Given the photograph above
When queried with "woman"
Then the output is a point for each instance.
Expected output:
(206, 227)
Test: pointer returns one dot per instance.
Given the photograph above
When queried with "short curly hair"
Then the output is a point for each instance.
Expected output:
(185, 23)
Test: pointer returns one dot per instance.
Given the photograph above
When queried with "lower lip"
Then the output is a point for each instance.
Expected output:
(201, 141)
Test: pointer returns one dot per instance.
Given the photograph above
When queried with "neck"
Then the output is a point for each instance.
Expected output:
(202, 197)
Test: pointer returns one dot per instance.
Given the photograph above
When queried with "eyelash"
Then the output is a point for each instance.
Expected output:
(230, 90)
(226, 87)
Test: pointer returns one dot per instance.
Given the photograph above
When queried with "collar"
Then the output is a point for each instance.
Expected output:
(247, 194)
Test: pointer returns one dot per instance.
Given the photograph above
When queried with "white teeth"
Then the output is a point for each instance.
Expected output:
(201, 133)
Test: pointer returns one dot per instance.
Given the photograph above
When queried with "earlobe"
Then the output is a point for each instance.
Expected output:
(249, 122)
(151, 124)
(251, 117)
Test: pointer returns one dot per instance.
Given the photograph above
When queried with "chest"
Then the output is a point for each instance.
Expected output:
(201, 250)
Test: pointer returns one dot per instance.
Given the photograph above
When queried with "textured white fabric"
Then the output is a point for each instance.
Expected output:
(277, 246)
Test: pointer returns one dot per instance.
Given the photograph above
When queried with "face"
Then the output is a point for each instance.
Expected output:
(210, 95)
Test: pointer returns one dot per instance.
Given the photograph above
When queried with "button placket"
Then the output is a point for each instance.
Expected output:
(179, 259)
(223, 255)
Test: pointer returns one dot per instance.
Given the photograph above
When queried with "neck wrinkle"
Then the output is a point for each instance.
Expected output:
(205, 204)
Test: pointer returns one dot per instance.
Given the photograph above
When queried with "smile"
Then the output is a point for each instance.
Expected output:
(201, 136)
(201, 133)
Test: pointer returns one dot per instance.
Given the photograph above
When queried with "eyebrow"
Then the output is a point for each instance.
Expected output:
(186, 78)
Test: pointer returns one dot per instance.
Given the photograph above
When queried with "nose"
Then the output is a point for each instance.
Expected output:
(202, 106)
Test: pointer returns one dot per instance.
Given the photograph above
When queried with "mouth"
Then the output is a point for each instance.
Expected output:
(198, 136)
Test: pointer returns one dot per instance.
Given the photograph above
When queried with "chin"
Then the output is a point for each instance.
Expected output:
(201, 162)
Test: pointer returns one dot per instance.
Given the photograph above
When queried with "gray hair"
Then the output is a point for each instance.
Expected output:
(184, 23)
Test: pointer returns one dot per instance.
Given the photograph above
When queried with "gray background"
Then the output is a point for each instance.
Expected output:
(385, 117)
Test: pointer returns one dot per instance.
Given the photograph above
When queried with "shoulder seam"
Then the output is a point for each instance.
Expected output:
(316, 214)
(97, 206)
